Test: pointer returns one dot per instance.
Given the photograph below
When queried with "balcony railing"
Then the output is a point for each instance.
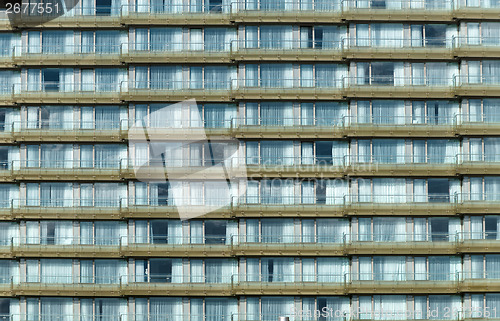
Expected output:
(471, 42)
(290, 83)
(318, 280)
(399, 43)
(396, 81)
(66, 126)
(172, 9)
(395, 5)
(284, 45)
(62, 87)
(247, 239)
(182, 47)
(260, 201)
(66, 50)
(202, 85)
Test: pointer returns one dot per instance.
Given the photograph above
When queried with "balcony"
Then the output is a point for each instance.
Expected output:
(477, 85)
(177, 285)
(397, 48)
(254, 206)
(348, 283)
(286, 50)
(182, 130)
(476, 47)
(290, 206)
(174, 208)
(482, 124)
(289, 89)
(67, 93)
(401, 165)
(399, 126)
(345, 244)
(403, 10)
(286, 12)
(68, 131)
(176, 91)
(402, 205)
(88, 170)
(73, 55)
(60, 209)
(377, 87)
(79, 16)
(176, 14)
(176, 53)
(472, 203)
(287, 128)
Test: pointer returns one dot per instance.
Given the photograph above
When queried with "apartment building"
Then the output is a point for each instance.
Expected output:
(341, 161)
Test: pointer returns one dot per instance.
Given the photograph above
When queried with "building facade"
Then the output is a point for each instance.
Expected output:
(341, 161)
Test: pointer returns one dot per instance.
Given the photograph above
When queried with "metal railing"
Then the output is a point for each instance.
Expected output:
(154, 47)
(80, 50)
(398, 81)
(195, 85)
(221, 202)
(67, 87)
(285, 83)
(303, 45)
(400, 42)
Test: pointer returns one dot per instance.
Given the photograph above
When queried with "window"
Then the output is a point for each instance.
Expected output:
(215, 232)
(490, 226)
(378, 4)
(103, 7)
(324, 153)
(159, 231)
(438, 190)
(435, 35)
(160, 270)
(3, 112)
(439, 228)
(321, 192)
(5, 309)
(382, 73)
(50, 78)
(4, 157)
(215, 5)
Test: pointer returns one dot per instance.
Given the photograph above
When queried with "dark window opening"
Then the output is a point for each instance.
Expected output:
(4, 157)
(159, 232)
(382, 73)
(215, 232)
(378, 4)
(4, 309)
(103, 7)
(318, 37)
(2, 119)
(439, 190)
(439, 228)
(215, 5)
(51, 79)
(50, 232)
(435, 35)
(324, 153)
(490, 227)
(160, 270)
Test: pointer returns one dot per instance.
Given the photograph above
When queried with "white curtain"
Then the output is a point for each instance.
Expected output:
(279, 37)
(389, 268)
(387, 190)
(276, 75)
(56, 271)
